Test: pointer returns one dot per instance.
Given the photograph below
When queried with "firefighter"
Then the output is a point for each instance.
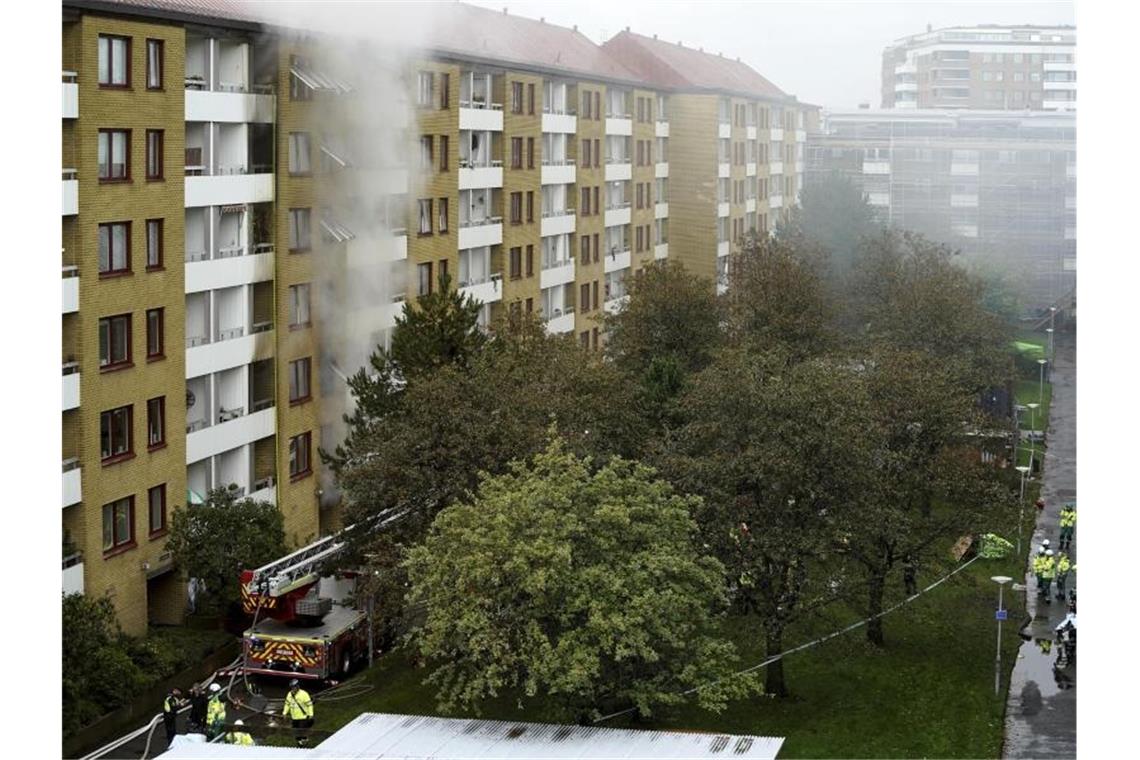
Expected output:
(298, 708)
(1064, 567)
(1038, 562)
(170, 707)
(215, 713)
(239, 737)
(1068, 525)
(1048, 571)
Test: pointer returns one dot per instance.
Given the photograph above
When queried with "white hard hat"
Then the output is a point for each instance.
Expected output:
(239, 722)
(1045, 543)
(215, 687)
(1049, 553)
(1040, 549)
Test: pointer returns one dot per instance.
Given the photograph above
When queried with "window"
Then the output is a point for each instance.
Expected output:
(114, 248)
(156, 509)
(597, 153)
(584, 297)
(585, 248)
(530, 152)
(443, 153)
(594, 298)
(154, 64)
(298, 90)
(516, 263)
(115, 342)
(115, 434)
(443, 269)
(426, 145)
(442, 216)
(154, 154)
(530, 205)
(155, 339)
(516, 152)
(299, 305)
(516, 208)
(584, 205)
(586, 101)
(425, 216)
(300, 153)
(597, 111)
(299, 229)
(114, 61)
(423, 276)
(299, 374)
(300, 449)
(114, 155)
(584, 339)
(119, 524)
(640, 197)
(585, 153)
(516, 97)
(530, 99)
(156, 423)
(426, 86)
(445, 90)
(597, 197)
(530, 262)
(153, 244)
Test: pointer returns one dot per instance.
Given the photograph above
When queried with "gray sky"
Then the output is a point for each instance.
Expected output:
(829, 53)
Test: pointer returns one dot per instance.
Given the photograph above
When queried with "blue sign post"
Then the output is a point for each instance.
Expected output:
(1001, 615)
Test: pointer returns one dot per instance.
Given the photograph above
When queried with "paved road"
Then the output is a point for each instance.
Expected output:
(1041, 711)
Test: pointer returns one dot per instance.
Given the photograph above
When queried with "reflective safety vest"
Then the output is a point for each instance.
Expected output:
(1063, 566)
(170, 704)
(1068, 518)
(1038, 562)
(298, 705)
(215, 711)
(239, 737)
(1048, 568)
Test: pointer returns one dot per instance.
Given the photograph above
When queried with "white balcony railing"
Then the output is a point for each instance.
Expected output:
(73, 574)
(70, 95)
(70, 289)
(70, 192)
(72, 482)
(70, 386)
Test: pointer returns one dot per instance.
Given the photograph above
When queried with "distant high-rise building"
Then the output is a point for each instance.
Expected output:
(983, 67)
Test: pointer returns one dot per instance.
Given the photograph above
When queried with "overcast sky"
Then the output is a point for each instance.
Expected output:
(829, 53)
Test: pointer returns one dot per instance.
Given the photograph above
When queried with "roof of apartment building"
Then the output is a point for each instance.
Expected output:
(678, 67)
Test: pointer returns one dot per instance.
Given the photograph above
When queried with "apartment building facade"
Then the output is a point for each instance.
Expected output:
(986, 67)
(998, 186)
(736, 146)
(247, 208)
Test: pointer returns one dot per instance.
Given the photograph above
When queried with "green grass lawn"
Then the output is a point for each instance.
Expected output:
(928, 693)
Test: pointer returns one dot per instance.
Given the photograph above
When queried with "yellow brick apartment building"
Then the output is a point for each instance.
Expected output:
(247, 207)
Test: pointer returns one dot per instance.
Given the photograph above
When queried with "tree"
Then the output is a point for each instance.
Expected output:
(833, 212)
(777, 298)
(441, 329)
(775, 450)
(97, 668)
(588, 588)
(216, 540)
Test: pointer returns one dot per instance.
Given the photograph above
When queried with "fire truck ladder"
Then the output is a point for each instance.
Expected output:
(302, 567)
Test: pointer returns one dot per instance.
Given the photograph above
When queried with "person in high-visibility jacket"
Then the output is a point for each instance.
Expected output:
(298, 707)
(239, 737)
(1064, 567)
(215, 712)
(1048, 572)
(1038, 563)
(170, 707)
(1068, 525)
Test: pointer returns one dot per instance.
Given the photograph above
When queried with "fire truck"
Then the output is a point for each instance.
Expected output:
(303, 624)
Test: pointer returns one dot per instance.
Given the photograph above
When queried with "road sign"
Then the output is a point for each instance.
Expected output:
(1019, 587)
(1001, 614)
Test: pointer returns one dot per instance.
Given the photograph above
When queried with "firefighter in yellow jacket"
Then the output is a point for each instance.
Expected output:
(215, 712)
(238, 735)
(298, 708)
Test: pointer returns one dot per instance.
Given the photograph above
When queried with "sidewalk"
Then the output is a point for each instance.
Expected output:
(1041, 711)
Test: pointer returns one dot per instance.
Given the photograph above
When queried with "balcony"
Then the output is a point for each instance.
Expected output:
(1070, 233)
(389, 311)
(70, 95)
(661, 169)
(558, 222)
(801, 135)
(230, 186)
(750, 169)
(70, 192)
(234, 428)
(661, 129)
(73, 574)
(479, 177)
(618, 213)
(660, 210)
(559, 273)
(776, 167)
(481, 117)
(558, 171)
(777, 201)
(264, 490)
(614, 305)
(566, 123)
(562, 321)
(750, 205)
(776, 134)
(233, 348)
(876, 167)
(661, 251)
(619, 125)
(229, 267)
(724, 130)
(964, 170)
(482, 232)
(485, 291)
(723, 248)
(70, 289)
(229, 107)
(750, 132)
(616, 260)
(70, 385)
(72, 482)
(963, 200)
(723, 170)
(618, 169)
(722, 209)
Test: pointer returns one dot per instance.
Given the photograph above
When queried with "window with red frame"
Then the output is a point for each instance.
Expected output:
(153, 244)
(115, 342)
(300, 452)
(114, 248)
(154, 139)
(119, 524)
(114, 154)
(115, 434)
(154, 64)
(156, 509)
(156, 423)
(300, 372)
(155, 334)
(114, 61)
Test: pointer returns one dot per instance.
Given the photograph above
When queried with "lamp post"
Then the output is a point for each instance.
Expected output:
(1021, 506)
(1032, 431)
(1000, 580)
(1049, 330)
(1041, 381)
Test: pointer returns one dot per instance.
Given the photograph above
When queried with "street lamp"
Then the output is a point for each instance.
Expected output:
(1000, 580)
(1021, 505)
(1041, 382)
(1032, 431)
(1049, 330)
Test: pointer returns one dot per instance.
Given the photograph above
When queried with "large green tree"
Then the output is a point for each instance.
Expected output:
(216, 540)
(587, 588)
(776, 451)
(440, 329)
(98, 671)
(834, 212)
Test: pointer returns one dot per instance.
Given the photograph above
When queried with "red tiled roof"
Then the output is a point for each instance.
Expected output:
(671, 65)
(221, 10)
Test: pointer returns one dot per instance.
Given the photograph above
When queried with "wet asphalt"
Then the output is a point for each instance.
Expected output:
(1041, 709)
